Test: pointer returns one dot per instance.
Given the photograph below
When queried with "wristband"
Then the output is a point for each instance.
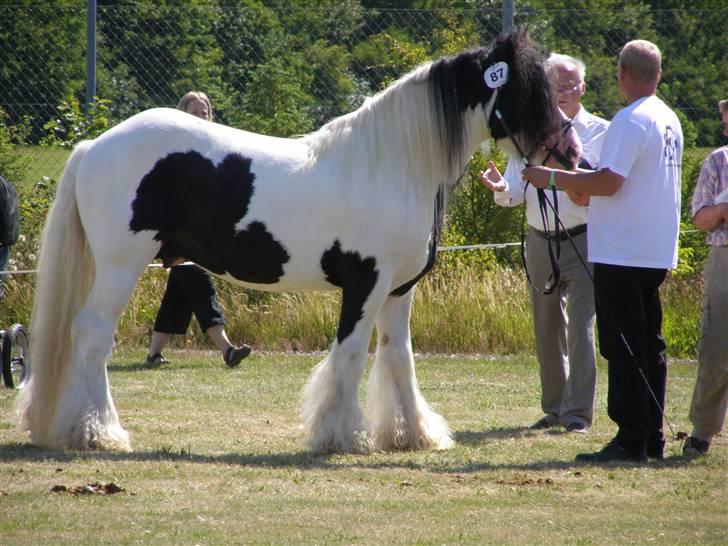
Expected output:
(552, 179)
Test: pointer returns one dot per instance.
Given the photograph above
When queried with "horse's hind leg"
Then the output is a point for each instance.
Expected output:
(87, 417)
(399, 415)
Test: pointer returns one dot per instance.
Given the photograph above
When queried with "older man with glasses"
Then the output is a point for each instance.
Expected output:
(568, 75)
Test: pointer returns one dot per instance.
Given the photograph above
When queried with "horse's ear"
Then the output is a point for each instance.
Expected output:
(522, 37)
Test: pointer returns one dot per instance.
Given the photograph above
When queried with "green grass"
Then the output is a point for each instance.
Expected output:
(40, 161)
(218, 459)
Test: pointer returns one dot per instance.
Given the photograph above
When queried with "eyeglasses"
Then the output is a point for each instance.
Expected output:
(568, 89)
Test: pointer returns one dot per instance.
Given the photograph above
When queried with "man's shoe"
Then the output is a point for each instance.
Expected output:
(577, 427)
(233, 355)
(612, 452)
(544, 422)
(156, 358)
(694, 447)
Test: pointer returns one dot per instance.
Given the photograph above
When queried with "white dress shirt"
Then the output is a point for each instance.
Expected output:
(591, 130)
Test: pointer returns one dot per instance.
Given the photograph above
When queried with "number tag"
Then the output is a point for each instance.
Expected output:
(496, 75)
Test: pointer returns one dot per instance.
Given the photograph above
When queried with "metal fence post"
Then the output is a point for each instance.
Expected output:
(90, 53)
(507, 16)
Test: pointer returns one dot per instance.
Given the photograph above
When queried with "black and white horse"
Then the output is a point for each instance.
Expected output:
(356, 205)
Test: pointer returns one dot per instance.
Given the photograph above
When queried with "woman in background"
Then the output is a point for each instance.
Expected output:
(189, 287)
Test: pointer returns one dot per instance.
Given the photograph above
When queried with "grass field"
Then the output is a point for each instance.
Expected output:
(218, 459)
(40, 161)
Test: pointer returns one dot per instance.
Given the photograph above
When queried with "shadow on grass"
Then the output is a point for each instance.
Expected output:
(473, 437)
(306, 460)
(136, 367)
(144, 366)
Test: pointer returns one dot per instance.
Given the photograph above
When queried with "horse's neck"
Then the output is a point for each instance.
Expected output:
(395, 138)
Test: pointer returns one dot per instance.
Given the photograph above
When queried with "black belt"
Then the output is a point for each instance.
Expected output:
(563, 235)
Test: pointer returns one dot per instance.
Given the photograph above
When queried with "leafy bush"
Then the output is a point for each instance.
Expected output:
(73, 125)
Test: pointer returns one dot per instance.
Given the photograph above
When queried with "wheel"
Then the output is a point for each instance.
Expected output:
(15, 360)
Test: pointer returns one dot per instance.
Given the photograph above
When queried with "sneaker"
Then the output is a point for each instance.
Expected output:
(612, 452)
(577, 427)
(233, 355)
(545, 422)
(156, 358)
(694, 447)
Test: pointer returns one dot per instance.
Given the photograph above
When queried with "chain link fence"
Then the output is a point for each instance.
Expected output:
(288, 70)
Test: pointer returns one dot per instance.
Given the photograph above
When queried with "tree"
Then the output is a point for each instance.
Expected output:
(42, 59)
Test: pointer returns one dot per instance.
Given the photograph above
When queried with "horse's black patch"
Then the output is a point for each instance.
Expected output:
(193, 205)
(356, 276)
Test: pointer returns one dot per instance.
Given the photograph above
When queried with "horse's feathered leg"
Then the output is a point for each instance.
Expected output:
(333, 420)
(86, 417)
(399, 415)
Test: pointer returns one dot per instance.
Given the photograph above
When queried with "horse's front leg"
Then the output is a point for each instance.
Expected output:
(333, 420)
(400, 416)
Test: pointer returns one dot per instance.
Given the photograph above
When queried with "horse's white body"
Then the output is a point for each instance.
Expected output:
(291, 196)
(363, 188)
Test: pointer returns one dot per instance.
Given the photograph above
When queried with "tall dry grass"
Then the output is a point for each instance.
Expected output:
(471, 310)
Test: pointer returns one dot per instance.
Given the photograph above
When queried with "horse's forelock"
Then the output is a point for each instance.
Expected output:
(526, 101)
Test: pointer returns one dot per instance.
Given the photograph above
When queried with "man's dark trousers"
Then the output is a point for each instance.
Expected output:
(628, 304)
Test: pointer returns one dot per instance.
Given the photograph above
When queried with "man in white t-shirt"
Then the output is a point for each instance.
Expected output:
(634, 221)
(563, 320)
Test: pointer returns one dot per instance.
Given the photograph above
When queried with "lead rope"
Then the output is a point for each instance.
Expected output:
(555, 275)
(551, 241)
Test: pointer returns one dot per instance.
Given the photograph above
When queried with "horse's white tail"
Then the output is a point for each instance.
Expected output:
(65, 276)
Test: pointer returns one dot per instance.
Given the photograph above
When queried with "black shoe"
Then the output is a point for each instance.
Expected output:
(156, 358)
(694, 447)
(612, 452)
(656, 450)
(577, 427)
(233, 355)
(545, 422)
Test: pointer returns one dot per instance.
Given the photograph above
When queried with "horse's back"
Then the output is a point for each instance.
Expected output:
(160, 149)
(151, 134)
(248, 207)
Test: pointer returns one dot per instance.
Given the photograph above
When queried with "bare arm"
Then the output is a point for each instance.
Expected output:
(578, 198)
(709, 218)
(587, 183)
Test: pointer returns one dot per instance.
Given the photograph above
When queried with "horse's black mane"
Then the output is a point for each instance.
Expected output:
(526, 100)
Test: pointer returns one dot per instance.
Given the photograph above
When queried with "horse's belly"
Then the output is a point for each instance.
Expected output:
(285, 284)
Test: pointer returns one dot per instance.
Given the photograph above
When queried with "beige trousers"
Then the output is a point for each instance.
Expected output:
(710, 395)
(564, 327)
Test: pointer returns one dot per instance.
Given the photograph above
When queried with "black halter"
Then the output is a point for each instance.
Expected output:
(553, 240)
